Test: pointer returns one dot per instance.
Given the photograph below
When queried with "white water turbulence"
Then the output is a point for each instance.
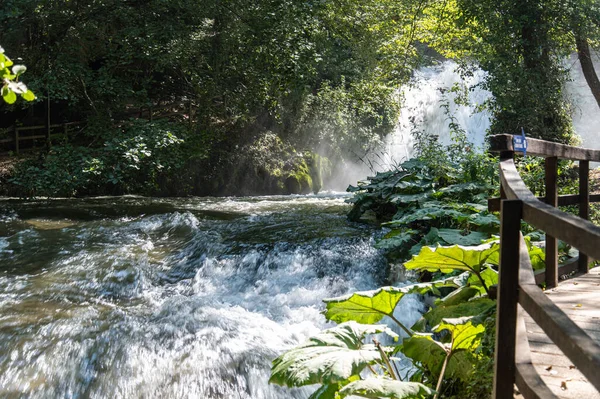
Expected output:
(171, 298)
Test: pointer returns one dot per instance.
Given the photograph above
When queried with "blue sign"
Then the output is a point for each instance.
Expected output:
(520, 142)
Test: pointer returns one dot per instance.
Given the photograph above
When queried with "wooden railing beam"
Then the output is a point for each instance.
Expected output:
(563, 200)
(504, 142)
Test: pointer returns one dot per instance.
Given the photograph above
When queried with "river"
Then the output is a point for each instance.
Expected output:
(171, 298)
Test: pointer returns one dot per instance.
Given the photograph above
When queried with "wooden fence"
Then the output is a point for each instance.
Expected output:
(517, 282)
(34, 133)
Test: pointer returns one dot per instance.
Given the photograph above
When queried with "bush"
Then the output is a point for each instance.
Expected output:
(132, 160)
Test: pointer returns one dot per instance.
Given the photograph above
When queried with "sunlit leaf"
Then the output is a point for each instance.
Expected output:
(448, 259)
(364, 307)
(9, 96)
(465, 334)
(332, 356)
(19, 69)
(469, 308)
(28, 96)
(386, 388)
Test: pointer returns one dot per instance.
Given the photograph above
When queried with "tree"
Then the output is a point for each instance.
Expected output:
(585, 17)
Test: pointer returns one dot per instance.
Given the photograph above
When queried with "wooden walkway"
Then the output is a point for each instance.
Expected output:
(579, 298)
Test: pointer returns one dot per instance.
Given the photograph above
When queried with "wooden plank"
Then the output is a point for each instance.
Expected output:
(551, 167)
(583, 351)
(22, 138)
(26, 128)
(506, 314)
(504, 142)
(528, 380)
(584, 205)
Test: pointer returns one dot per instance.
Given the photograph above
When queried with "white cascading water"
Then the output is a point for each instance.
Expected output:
(423, 110)
(425, 96)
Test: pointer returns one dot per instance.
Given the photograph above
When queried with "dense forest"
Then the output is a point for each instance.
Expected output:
(271, 96)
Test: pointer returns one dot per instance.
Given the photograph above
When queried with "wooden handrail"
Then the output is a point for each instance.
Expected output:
(573, 230)
(504, 142)
(517, 282)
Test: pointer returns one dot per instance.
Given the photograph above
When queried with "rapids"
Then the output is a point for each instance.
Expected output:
(171, 298)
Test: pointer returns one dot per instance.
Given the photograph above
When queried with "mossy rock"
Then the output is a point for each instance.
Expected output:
(298, 183)
(292, 185)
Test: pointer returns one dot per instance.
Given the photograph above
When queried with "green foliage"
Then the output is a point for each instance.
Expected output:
(132, 160)
(11, 86)
(439, 197)
(445, 345)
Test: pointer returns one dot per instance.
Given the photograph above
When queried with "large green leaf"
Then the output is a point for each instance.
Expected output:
(332, 356)
(448, 259)
(433, 288)
(454, 236)
(364, 307)
(460, 295)
(422, 348)
(536, 254)
(469, 308)
(369, 307)
(465, 334)
(396, 239)
(489, 277)
(386, 388)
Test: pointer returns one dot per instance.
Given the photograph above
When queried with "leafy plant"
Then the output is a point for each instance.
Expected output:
(443, 345)
(11, 86)
(133, 159)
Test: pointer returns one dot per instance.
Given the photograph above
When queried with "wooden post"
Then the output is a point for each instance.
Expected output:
(508, 296)
(190, 111)
(551, 164)
(584, 206)
(16, 139)
(48, 121)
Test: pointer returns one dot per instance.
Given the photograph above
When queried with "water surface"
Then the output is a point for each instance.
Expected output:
(170, 298)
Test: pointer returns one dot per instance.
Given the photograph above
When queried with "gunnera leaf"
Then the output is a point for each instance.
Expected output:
(448, 259)
(385, 388)
(332, 356)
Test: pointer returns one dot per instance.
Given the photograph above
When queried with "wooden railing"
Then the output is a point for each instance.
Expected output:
(517, 284)
(44, 132)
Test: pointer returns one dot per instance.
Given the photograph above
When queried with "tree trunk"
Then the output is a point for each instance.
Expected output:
(585, 59)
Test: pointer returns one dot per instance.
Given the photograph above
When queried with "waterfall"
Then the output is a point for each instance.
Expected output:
(425, 96)
(429, 102)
